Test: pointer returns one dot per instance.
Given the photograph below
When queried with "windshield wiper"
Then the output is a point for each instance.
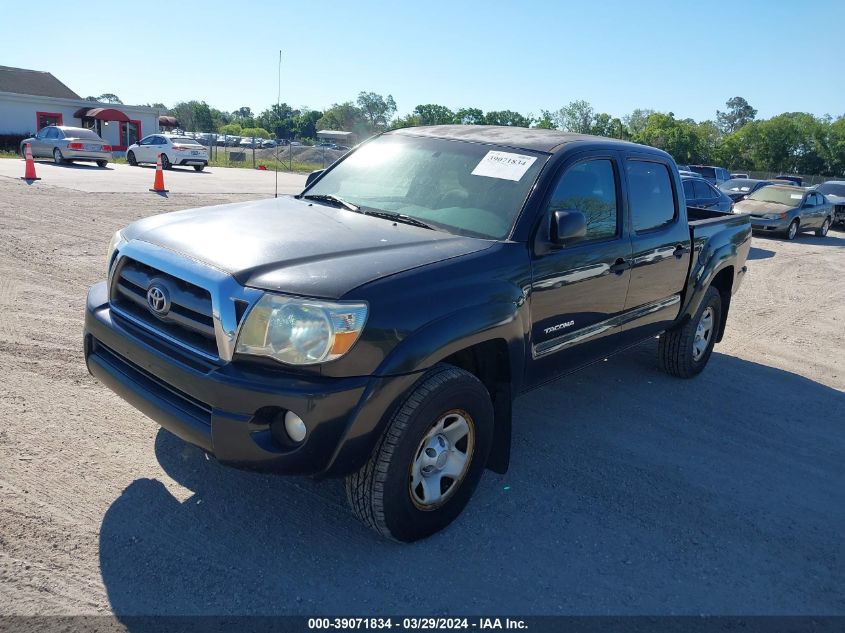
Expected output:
(325, 197)
(398, 217)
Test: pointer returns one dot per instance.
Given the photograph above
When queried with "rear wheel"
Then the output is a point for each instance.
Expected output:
(165, 162)
(429, 460)
(199, 167)
(130, 158)
(822, 232)
(684, 350)
(57, 157)
(792, 231)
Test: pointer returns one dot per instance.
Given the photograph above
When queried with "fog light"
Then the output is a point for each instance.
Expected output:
(294, 426)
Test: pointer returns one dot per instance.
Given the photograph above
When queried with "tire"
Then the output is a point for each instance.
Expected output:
(825, 227)
(102, 163)
(165, 162)
(382, 494)
(57, 157)
(792, 231)
(199, 167)
(680, 349)
(130, 158)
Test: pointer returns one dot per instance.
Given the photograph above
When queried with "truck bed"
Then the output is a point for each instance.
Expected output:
(712, 230)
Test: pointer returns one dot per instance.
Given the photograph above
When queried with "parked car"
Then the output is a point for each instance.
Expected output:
(250, 143)
(713, 175)
(174, 150)
(834, 192)
(65, 144)
(740, 188)
(739, 176)
(268, 144)
(782, 182)
(700, 193)
(795, 180)
(382, 335)
(787, 210)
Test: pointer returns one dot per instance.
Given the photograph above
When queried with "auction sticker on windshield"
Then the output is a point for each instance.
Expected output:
(504, 165)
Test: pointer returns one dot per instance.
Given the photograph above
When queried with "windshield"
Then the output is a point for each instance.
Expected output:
(789, 196)
(463, 188)
(738, 184)
(834, 189)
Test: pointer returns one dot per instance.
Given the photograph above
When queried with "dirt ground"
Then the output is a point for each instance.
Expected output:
(629, 491)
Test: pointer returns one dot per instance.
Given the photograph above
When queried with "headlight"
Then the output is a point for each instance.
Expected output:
(301, 331)
(116, 240)
(774, 216)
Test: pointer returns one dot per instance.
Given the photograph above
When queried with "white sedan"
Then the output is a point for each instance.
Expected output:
(174, 150)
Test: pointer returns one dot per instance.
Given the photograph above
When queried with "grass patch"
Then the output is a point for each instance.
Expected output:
(5, 154)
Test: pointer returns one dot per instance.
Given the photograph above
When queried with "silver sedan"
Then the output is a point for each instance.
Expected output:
(67, 144)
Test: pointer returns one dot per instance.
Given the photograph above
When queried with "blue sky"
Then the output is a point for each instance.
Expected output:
(679, 56)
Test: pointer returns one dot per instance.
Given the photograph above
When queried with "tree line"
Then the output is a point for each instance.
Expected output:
(795, 142)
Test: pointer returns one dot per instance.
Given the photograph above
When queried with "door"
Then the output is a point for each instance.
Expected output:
(704, 194)
(689, 193)
(144, 151)
(578, 289)
(660, 241)
(51, 139)
(812, 212)
(38, 142)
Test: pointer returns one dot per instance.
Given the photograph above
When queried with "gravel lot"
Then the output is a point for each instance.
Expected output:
(629, 491)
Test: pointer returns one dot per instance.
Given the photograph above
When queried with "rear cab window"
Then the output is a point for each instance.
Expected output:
(651, 197)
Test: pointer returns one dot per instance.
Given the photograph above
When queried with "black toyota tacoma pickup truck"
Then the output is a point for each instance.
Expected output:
(379, 325)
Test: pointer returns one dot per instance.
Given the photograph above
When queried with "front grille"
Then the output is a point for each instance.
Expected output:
(188, 320)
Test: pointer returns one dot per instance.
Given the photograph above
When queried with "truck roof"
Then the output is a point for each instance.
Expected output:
(535, 139)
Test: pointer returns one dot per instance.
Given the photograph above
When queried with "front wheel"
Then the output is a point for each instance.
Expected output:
(429, 460)
(825, 227)
(130, 158)
(685, 349)
(792, 231)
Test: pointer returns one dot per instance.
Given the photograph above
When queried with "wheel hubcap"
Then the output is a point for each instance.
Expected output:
(703, 333)
(825, 227)
(442, 460)
(793, 229)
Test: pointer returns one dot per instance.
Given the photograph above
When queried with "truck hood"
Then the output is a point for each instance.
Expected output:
(297, 246)
(758, 207)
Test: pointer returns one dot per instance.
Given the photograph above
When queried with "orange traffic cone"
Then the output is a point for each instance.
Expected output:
(158, 183)
(29, 173)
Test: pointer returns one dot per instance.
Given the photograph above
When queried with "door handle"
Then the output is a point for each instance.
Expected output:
(620, 266)
(680, 249)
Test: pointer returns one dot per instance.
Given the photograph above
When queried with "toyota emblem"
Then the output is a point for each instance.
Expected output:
(158, 300)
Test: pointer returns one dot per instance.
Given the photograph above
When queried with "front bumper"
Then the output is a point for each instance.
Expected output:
(227, 409)
(770, 226)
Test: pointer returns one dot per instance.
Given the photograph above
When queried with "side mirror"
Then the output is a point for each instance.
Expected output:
(313, 176)
(567, 226)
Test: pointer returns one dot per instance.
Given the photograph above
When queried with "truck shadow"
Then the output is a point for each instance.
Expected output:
(760, 253)
(629, 492)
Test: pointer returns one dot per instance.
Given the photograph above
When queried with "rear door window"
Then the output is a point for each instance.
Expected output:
(650, 195)
(689, 190)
